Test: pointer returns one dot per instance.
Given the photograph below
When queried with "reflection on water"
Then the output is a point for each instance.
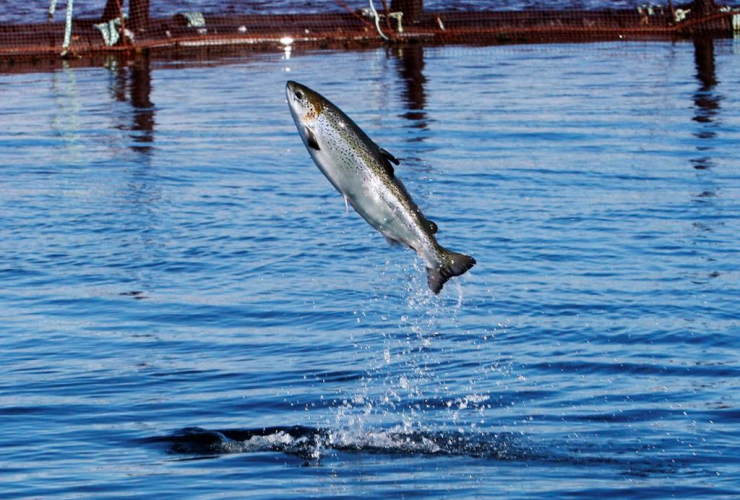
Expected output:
(706, 100)
(706, 112)
(410, 61)
(65, 122)
(141, 89)
(132, 83)
(410, 67)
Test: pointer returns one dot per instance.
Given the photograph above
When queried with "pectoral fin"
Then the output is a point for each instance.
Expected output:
(311, 139)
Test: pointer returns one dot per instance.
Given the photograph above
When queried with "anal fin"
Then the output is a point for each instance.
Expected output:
(392, 242)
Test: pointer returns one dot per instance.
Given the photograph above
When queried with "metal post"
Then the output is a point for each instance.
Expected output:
(112, 10)
(412, 9)
(139, 15)
(704, 7)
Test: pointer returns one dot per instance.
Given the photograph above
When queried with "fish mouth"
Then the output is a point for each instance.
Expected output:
(289, 92)
(294, 103)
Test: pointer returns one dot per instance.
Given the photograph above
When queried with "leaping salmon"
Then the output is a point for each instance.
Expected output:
(363, 173)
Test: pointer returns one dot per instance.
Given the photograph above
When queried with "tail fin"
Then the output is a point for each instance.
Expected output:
(453, 264)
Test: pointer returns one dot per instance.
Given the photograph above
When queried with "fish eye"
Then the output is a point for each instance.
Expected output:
(299, 95)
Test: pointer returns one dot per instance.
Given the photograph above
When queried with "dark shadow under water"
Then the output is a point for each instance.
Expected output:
(305, 442)
(313, 444)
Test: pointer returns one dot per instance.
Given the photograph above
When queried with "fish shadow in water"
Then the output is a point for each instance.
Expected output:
(311, 444)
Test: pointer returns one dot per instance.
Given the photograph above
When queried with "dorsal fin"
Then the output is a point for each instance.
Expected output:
(389, 156)
(386, 159)
(387, 166)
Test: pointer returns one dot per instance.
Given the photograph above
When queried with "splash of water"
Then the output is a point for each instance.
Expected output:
(405, 391)
(310, 443)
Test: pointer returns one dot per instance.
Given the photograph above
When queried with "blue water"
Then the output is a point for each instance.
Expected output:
(188, 312)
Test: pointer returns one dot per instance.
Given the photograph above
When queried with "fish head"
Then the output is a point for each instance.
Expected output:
(306, 105)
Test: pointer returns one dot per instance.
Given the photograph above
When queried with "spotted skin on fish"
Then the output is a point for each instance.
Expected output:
(363, 173)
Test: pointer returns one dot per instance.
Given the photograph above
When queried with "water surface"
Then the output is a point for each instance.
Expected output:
(187, 310)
